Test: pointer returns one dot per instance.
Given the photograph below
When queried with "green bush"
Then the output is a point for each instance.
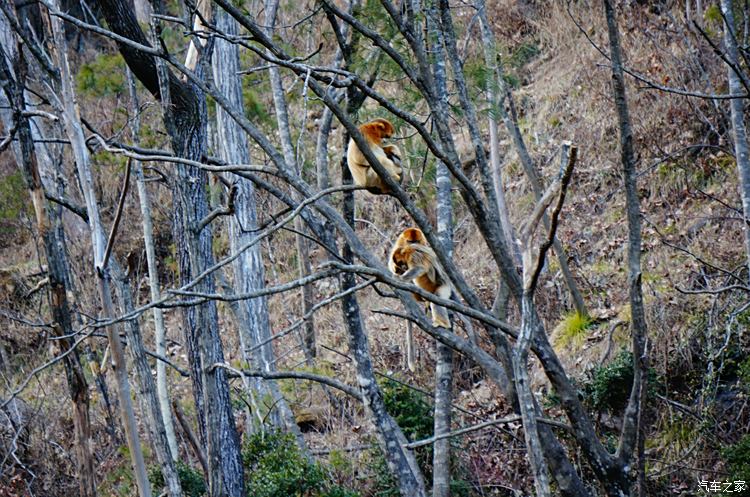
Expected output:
(409, 409)
(14, 200)
(102, 77)
(737, 458)
(275, 467)
(415, 418)
(191, 480)
(609, 386)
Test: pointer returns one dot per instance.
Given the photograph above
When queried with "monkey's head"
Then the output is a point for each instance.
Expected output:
(414, 235)
(378, 129)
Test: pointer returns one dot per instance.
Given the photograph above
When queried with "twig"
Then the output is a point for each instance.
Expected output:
(118, 216)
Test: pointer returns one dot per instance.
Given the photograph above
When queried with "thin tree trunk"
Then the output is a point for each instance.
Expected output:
(737, 107)
(526, 401)
(57, 264)
(153, 279)
(285, 136)
(497, 83)
(249, 273)
(632, 418)
(401, 462)
(441, 455)
(74, 131)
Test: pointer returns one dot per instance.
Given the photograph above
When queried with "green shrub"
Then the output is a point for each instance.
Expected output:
(275, 467)
(609, 385)
(737, 458)
(191, 480)
(415, 418)
(103, 76)
(409, 409)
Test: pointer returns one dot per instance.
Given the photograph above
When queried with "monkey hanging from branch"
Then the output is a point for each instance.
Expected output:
(412, 259)
(389, 157)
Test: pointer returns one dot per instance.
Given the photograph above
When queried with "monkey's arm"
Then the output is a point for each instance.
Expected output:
(413, 273)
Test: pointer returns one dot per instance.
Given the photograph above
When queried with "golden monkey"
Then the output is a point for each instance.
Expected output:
(389, 156)
(412, 259)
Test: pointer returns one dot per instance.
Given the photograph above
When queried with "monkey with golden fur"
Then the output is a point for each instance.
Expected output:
(412, 259)
(389, 156)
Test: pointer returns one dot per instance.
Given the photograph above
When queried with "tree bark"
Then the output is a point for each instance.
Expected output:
(153, 280)
(185, 119)
(631, 425)
(285, 136)
(75, 134)
(57, 264)
(737, 107)
(249, 273)
(441, 455)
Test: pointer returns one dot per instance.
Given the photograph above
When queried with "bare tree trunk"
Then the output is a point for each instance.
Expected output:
(98, 242)
(401, 461)
(737, 106)
(526, 401)
(285, 136)
(57, 264)
(632, 418)
(153, 279)
(497, 81)
(249, 273)
(441, 455)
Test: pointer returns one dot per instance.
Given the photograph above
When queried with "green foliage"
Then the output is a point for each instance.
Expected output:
(743, 371)
(523, 54)
(102, 77)
(713, 14)
(415, 417)
(191, 480)
(571, 331)
(737, 458)
(275, 467)
(409, 409)
(14, 199)
(609, 385)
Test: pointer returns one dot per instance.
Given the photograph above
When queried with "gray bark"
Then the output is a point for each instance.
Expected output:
(285, 136)
(75, 134)
(631, 425)
(153, 280)
(737, 107)
(249, 273)
(185, 120)
(441, 455)
(49, 226)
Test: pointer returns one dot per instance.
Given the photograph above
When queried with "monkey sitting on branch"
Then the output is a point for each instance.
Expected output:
(389, 157)
(412, 259)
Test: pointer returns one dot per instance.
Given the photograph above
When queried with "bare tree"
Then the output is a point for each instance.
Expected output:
(737, 107)
(12, 81)
(153, 279)
(249, 274)
(631, 438)
(185, 119)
